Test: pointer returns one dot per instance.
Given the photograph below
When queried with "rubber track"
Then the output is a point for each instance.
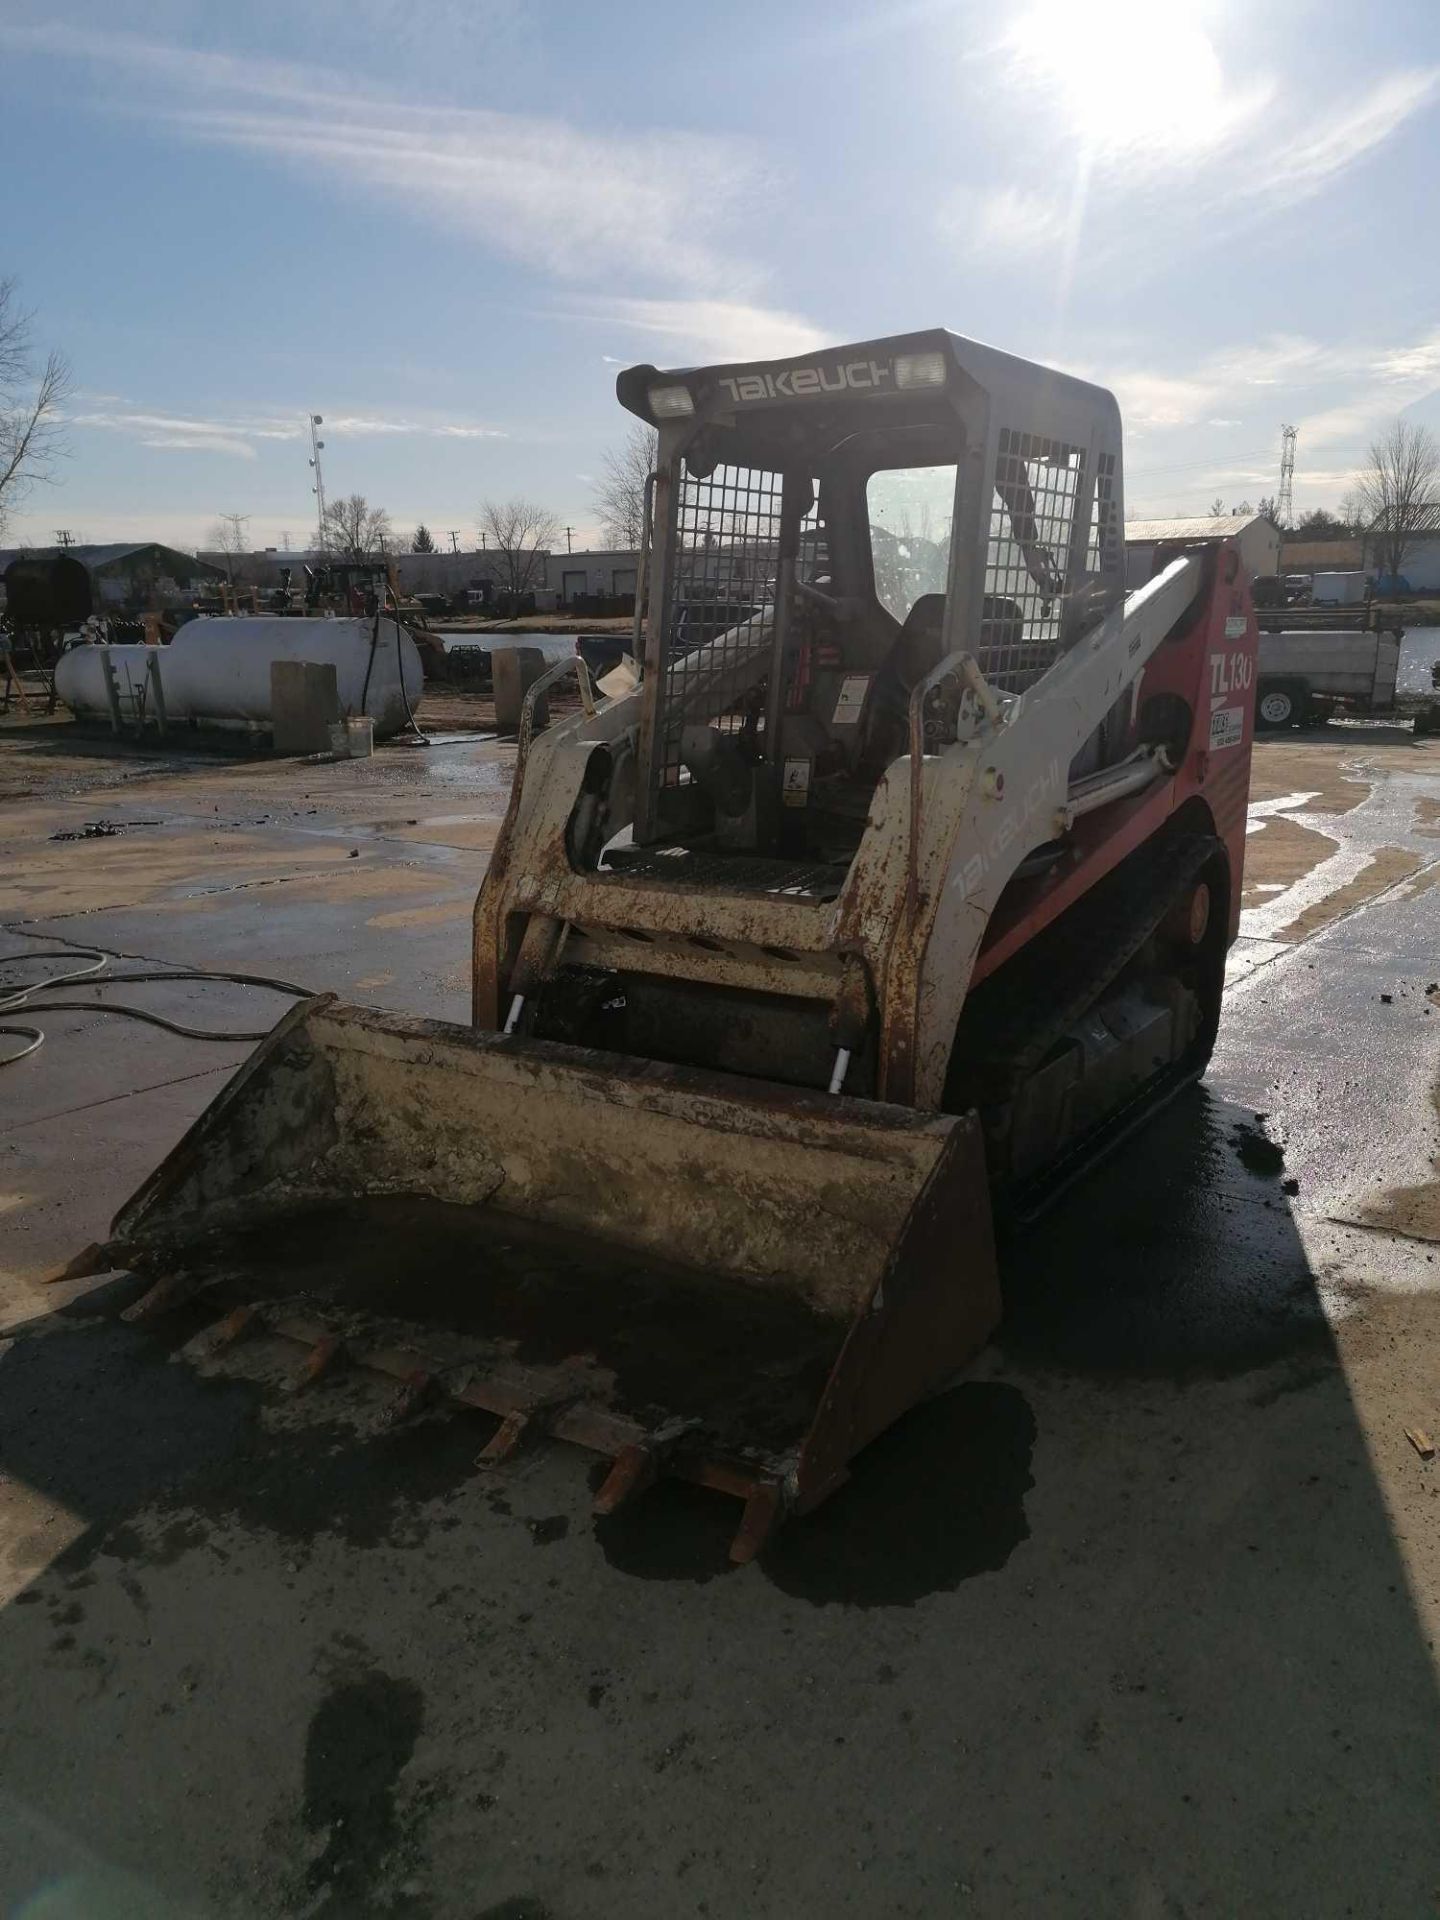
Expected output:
(1031, 1002)
(1022, 1015)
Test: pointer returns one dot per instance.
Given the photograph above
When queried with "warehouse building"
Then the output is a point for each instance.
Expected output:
(1256, 533)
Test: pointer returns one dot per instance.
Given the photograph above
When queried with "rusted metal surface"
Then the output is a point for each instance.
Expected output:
(417, 1390)
(764, 1510)
(168, 1291)
(946, 833)
(836, 1254)
(322, 1356)
(782, 1187)
(435, 1381)
(234, 1327)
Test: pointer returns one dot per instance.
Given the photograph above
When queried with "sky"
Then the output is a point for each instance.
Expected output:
(446, 224)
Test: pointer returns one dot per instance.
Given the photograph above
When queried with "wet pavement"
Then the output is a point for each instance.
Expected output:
(1138, 1619)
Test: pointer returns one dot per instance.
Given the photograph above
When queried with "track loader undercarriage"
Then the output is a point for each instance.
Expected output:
(900, 882)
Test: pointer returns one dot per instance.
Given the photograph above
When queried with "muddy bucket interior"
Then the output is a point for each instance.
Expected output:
(689, 1273)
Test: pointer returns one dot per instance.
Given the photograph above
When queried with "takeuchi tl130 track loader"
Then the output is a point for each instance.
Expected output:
(898, 883)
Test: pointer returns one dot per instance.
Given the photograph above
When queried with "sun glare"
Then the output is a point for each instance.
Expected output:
(1126, 73)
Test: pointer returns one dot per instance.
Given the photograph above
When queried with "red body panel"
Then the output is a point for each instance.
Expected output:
(1209, 662)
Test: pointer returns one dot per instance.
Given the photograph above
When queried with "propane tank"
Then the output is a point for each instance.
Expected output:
(216, 672)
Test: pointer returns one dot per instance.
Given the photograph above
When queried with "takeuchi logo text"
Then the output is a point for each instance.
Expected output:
(794, 382)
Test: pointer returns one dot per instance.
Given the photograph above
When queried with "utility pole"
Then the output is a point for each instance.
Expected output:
(64, 537)
(454, 539)
(316, 445)
(568, 532)
(1285, 503)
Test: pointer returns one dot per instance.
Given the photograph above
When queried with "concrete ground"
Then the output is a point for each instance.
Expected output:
(1139, 1619)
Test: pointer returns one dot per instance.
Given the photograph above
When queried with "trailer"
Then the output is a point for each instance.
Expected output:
(1306, 675)
(1340, 589)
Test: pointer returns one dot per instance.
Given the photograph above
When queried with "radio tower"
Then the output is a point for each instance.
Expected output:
(1284, 501)
(316, 444)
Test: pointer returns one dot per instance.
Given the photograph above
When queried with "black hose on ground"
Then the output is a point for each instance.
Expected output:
(97, 962)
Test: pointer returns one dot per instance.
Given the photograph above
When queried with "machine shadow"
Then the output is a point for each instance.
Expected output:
(1203, 1619)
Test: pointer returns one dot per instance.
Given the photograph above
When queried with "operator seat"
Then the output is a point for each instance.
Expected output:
(917, 650)
(914, 652)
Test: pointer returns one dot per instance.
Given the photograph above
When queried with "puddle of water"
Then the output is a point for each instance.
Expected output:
(1418, 648)
(1260, 810)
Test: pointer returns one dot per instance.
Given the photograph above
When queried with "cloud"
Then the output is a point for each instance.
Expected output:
(200, 443)
(1417, 364)
(237, 435)
(1014, 221)
(1327, 139)
(1159, 399)
(574, 203)
(1337, 394)
(1333, 391)
(704, 330)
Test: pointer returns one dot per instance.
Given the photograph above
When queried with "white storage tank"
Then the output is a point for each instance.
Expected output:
(216, 672)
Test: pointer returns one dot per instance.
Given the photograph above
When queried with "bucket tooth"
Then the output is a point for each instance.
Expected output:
(764, 1509)
(639, 1465)
(523, 1424)
(224, 1333)
(91, 1259)
(322, 1356)
(168, 1291)
(416, 1391)
(505, 1439)
(633, 1469)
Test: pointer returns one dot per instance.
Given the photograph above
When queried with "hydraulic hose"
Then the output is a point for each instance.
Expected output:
(96, 964)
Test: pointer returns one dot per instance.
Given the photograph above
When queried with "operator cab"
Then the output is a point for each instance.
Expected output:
(827, 535)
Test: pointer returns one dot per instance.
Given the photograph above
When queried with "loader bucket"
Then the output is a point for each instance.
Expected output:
(691, 1273)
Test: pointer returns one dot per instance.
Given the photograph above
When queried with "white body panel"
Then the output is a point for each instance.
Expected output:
(217, 672)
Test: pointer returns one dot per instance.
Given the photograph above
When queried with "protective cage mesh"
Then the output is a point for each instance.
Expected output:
(1038, 485)
(1103, 550)
(718, 626)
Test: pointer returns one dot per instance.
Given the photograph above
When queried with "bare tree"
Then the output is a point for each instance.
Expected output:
(520, 535)
(31, 428)
(1400, 493)
(230, 536)
(1216, 507)
(354, 530)
(1354, 513)
(620, 493)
